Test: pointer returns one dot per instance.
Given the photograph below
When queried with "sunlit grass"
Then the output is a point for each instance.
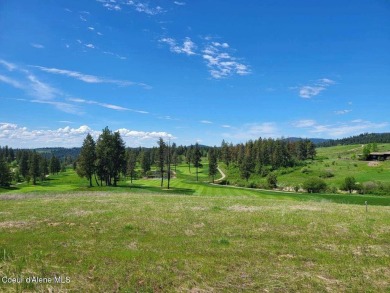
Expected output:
(154, 242)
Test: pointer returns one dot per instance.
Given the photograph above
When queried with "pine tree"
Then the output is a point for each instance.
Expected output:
(196, 159)
(86, 160)
(189, 156)
(118, 156)
(34, 166)
(131, 164)
(43, 168)
(23, 164)
(213, 164)
(145, 161)
(161, 158)
(5, 174)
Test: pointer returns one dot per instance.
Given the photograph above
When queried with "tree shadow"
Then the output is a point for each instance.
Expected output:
(154, 189)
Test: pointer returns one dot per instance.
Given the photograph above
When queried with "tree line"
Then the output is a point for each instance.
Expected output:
(262, 156)
(364, 138)
(26, 165)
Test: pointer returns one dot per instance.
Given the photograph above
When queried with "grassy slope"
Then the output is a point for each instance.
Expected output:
(154, 242)
(339, 161)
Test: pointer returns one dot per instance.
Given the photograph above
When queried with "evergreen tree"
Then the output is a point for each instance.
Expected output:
(189, 156)
(118, 156)
(43, 168)
(23, 164)
(213, 164)
(161, 158)
(86, 160)
(34, 166)
(5, 174)
(131, 164)
(145, 161)
(225, 153)
(196, 159)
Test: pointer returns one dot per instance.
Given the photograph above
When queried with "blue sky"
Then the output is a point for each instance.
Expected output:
(192, 70)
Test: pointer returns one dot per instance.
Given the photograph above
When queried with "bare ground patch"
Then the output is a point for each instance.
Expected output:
(15, 224)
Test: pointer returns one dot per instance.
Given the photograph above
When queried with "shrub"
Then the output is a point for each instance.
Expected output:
(305, 170)
(272, 180)
(326, 174)
(314, 185)
(349, 184)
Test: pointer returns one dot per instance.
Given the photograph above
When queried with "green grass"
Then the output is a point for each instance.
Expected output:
(338, 160)
(147, 242)
(195, 236)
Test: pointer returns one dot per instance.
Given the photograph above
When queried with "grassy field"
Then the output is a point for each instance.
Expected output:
(127, 242)
(195, 237)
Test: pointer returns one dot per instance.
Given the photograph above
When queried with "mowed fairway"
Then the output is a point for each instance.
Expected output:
(194, 237)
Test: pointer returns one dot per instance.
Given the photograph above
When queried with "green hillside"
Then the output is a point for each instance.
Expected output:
(333, 164)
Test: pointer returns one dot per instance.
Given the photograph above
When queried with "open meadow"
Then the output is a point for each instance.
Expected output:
(194, 237)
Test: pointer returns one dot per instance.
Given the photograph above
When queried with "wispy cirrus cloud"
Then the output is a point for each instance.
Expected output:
(340, 129)
(64, 107)
(179, 3)
(187, 47)
(28, 82)
(309, 91)
(304, 123)
(253, 131)
(20, 136)
(88, 78)
(37, 46)
(14, 83)
(106, 105)
(206, 122)
(9, 66)
(342, 112)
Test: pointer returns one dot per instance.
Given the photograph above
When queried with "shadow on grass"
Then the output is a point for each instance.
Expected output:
(174, 190)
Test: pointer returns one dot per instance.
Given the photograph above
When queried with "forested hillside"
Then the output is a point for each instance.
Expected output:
(363, 138)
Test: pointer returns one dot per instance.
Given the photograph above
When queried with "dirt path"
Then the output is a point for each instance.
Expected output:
(223, 175)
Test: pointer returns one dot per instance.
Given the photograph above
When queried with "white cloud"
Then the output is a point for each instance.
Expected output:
(8, 65)
(82, 18)
(87, 77)
(139, 6)
(225, 126)
(220, 63)
(40, 89)
(91, 46)
(206, 122)
(254, 131)
(339, 130)
(105, 105)
(309, 91)
(37, 46)
(187, 48)
(342, 112)
(18, 136)
(179, 3)
(64, 107)
(29, 83)
(91, 28)
(304, 123)
(12, 82)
